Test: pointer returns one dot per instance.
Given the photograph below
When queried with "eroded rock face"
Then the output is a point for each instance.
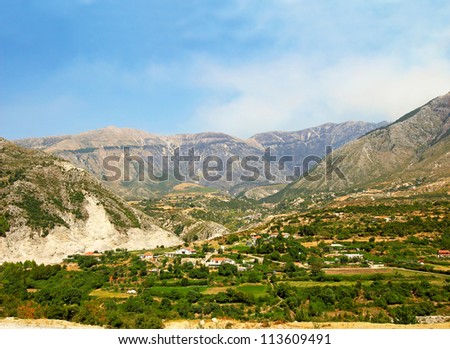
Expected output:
(51, 209)
(433, 319)
(96, 233)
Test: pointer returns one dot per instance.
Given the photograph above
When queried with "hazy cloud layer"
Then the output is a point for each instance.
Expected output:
(292, 94)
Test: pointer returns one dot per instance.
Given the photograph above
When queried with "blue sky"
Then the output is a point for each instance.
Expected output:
(239, 67)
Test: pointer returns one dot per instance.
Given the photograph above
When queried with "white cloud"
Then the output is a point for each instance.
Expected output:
(385, 87)
(291, 93)
(253, 97)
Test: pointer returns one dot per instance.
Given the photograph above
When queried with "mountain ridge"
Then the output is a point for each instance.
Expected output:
(88, 149)
(415, 148)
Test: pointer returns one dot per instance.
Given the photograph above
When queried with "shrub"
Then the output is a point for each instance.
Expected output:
(227, 269)
(404, 315)
(4, 225)
(148, 322)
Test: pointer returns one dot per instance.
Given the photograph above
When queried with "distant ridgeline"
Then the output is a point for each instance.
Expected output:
(242, 161)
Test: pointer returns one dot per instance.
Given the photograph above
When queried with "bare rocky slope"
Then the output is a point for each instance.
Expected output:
(87, 150)
(413, 152)
(50, 209)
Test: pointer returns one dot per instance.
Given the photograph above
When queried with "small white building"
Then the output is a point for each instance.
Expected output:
(376, 265)
(354, 255)
(147, 256)
(217, 262)
(131, 292)
(186, 251)
(337, 246)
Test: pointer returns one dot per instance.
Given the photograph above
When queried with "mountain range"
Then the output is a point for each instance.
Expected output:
(88, 150)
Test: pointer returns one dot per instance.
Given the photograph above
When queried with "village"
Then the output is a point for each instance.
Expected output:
(243, 256)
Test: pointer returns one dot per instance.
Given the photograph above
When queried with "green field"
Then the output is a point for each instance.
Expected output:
(170, 290)
(99, 293)
(256, 290)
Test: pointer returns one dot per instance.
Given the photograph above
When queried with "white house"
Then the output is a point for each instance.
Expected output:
(376, 265)
(147, 256)
(216, 262)
(337, 246)
(354, 255)
(186, 251)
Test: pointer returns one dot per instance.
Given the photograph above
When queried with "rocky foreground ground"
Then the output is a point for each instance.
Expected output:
(13, 323)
